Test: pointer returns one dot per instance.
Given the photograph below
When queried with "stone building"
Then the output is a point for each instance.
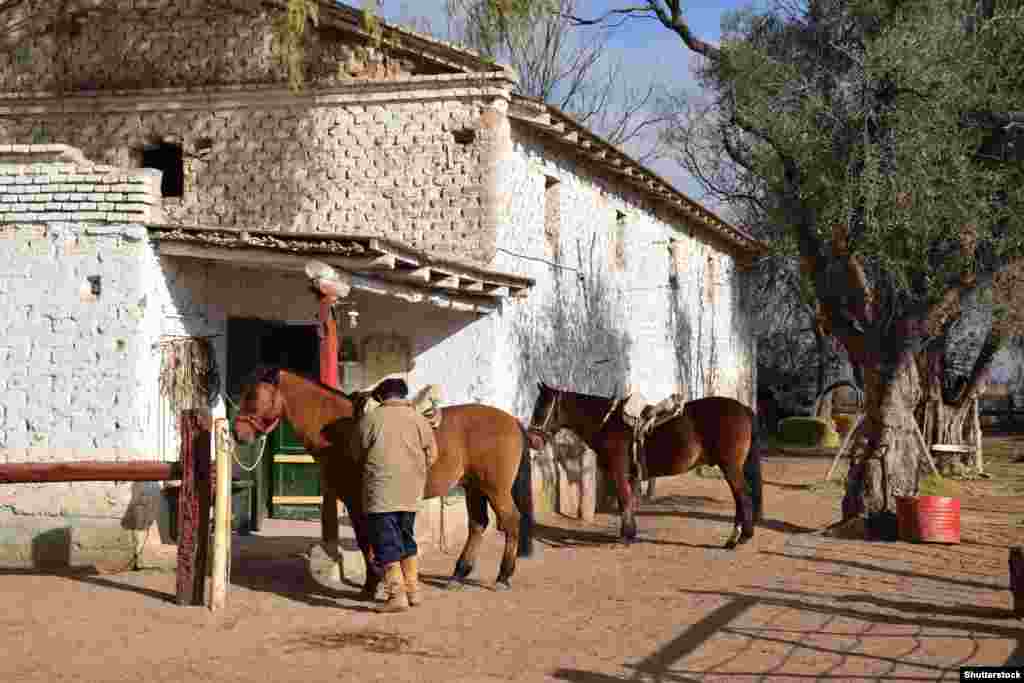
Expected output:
(161, 183)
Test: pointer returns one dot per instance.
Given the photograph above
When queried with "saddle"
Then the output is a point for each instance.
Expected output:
(427, 402)
(644, 418)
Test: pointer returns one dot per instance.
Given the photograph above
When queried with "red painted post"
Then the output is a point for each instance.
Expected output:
(329, 376)
(194, 506)
(328, 342)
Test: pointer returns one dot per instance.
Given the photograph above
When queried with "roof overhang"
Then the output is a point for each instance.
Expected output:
(556, 126)
(370, 264)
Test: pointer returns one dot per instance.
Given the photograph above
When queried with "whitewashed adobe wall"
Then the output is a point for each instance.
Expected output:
(76, 277)
(592, 327)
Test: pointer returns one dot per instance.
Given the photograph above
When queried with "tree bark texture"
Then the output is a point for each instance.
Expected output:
(885, 458)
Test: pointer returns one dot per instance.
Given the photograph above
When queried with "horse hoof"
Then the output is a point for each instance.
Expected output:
(502, 586)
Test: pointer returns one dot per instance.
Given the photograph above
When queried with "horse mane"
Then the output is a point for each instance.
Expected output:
(577, 394)
(270, 373)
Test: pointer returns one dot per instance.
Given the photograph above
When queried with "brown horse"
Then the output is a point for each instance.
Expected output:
(715, 430)
(483, 448)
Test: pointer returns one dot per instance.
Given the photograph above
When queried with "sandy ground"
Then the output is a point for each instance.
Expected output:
(793, 605)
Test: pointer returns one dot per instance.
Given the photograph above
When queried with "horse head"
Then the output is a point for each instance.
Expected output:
(261, 406)
(546, 416)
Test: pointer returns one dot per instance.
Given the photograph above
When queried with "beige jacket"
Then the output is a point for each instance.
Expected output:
(400, 447)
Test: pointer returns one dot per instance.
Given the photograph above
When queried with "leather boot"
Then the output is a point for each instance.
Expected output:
(411, 572)
(398, 601)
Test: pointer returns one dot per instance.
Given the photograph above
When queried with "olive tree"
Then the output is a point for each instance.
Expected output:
(885, 134)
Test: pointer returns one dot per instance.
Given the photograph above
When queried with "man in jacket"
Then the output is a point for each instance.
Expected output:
(399, 446)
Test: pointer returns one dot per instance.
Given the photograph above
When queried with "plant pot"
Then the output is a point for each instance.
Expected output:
(928, 519)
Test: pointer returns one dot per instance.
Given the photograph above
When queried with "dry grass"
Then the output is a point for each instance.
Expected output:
(1002, 453)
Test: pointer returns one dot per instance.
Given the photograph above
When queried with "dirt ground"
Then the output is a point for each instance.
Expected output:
(793, 605)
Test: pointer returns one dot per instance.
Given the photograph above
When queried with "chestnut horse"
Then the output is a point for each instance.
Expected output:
(483, 448)
(715, 430)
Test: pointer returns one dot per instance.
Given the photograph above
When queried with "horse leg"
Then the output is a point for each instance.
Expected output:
(508, 521)
(744, 521)
(627, 502)
(476, 507)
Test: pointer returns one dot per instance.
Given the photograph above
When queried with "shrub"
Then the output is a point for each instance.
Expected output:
(809, 432)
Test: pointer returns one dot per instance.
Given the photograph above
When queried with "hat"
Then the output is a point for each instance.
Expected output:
(391, 387)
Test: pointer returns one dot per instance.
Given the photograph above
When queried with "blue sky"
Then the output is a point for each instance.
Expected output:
(647, 50)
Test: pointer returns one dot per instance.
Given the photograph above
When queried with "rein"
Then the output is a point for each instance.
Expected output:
(543, 429)
(611, 409)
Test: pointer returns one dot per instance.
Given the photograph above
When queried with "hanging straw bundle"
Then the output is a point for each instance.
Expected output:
(188, 373)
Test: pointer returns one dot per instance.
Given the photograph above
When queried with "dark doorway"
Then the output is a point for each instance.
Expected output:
(285, 484)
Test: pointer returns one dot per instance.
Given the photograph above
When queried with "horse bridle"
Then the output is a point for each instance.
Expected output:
(543, 429)
(258, 425)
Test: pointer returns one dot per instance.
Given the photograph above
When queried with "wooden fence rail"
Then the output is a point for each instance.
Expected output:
(194, 499)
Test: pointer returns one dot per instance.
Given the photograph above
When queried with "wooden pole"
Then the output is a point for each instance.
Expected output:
(976, 428)
(221, 521)
(194, 507)
(843, 447)
(85, 470)
(924, 447)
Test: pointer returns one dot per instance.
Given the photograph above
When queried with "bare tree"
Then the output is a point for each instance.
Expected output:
(564, 66)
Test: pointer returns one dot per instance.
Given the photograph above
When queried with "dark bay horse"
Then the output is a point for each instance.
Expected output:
(715, 430)
(483, 448)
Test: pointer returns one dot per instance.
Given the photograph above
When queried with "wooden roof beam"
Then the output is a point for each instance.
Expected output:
(448, 282)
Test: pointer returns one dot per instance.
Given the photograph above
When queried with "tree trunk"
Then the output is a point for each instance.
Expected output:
(886, 460)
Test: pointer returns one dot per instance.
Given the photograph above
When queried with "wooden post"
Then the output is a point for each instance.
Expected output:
(1017, 580)
(194, 506)
(976, 428)
(329, 286)
(221, 521)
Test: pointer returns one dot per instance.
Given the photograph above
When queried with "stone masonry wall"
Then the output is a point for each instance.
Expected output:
(132, 44)
(416, 170)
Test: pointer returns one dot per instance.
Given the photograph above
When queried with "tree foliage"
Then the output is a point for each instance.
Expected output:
(883, 138)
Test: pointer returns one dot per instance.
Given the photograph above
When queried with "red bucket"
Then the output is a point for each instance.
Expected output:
(928, 519)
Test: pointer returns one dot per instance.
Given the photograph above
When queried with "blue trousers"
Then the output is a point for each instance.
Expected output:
(392, 536)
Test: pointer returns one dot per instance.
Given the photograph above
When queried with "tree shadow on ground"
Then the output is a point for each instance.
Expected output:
(661, 666)
(885, 570)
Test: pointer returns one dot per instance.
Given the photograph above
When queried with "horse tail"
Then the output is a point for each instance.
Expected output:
(752, 474)
(522, 495)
